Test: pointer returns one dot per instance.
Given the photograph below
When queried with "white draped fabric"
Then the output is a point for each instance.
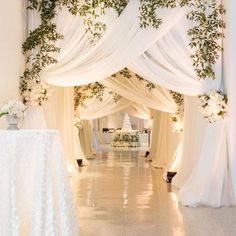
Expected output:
(34, 118)
(59, 114)
(158, 98)
(94, 108)
(194, 130)
(86, 138)
(121, 44)
(78, 150)
(168, 64)
(140, 111)
(216, 190)
(175, 162)
(160, 56)
(164, 140)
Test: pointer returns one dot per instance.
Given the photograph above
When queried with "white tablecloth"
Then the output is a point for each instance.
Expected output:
(35, 194)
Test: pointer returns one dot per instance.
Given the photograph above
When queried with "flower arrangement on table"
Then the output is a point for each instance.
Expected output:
(14, 110)
(213, 106)
(123, 138)
(13, 107)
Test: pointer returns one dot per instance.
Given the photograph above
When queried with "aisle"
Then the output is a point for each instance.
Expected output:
(120, 195)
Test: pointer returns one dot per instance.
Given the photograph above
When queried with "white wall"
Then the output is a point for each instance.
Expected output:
(12, 21)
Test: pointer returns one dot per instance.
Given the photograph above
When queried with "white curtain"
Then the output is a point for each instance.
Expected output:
(164, 140)
(94, 108)
(216, 190)
(155, 55)
(121, 44)
(139, 110)
(59, 114)
(86, 138)
(194, 130)
(157, 98)
(34, 118)
(168, 63)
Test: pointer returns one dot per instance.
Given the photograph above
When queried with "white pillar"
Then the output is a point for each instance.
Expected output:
(12, 21)
(230, 80)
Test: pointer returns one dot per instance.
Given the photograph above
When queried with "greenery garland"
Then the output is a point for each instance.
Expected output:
(82, 93)
(39, 46)
(204, 36)
(92, 10)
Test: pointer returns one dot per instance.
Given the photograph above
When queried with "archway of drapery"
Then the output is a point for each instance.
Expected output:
(95, 100)
(161, 54)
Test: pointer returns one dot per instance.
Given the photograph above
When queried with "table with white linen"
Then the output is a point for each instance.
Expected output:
(35, 193)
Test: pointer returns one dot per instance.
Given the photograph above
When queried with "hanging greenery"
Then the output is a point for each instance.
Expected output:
(207, 17)
(91, 12)
(82, 93)
(126, 73)
(148, 12)
(39, 47)
(177, 117)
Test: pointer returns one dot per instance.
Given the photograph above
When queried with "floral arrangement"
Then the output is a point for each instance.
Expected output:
(35, 93)
(13, 107)
(213, 106)
(125, 139)
(177, 123)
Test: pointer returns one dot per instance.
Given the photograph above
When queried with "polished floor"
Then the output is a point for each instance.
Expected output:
(119, 194)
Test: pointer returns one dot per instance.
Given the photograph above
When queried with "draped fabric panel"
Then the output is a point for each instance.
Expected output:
(157, 98)
(168, 64)
(94, 108)
(164, 140)
(86, 138)
(216, 190)
(121, 44)
(139, 110)
(194, 131)
(207, 165)
(159, 56)
(59, 114)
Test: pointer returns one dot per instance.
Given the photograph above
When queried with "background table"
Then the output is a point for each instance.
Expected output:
(35, 194)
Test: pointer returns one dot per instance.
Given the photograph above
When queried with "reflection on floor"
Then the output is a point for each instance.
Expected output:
(120, 194)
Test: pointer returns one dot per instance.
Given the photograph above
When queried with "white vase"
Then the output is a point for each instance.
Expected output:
(13, 121)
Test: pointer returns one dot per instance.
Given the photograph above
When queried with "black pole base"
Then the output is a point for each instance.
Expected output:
(147, 153)
(170, 176)
(80, 162)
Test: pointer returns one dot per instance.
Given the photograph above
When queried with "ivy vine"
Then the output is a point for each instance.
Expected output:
(85, 92)
(39, 46)
(205, 35)
(92, 10)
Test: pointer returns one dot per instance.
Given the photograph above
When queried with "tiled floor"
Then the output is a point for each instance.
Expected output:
(119, 194)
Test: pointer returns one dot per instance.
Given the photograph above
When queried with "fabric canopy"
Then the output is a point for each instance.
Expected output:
(156, 98)
(161, 56)
(121, 44)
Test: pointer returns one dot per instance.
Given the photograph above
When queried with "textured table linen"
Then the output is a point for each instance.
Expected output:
(35, 194)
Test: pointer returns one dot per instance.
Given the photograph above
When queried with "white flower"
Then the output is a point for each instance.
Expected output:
(213, 106)
(13, 107)
(177, 123)
(37, 92)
